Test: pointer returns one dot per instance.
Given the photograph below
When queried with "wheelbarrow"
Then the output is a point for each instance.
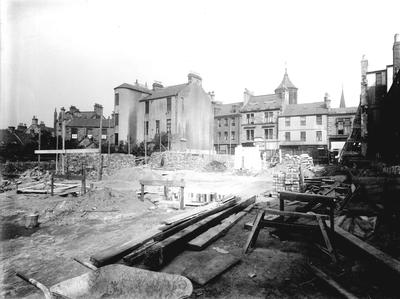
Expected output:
(117, 281)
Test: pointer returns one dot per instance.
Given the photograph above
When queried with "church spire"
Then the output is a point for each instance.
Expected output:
(342, 102)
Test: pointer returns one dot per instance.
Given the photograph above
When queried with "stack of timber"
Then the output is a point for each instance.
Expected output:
(158, 246)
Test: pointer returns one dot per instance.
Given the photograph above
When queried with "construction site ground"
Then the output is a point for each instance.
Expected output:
(111, 213)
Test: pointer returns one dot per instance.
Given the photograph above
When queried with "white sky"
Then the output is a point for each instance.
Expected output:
(62, 53)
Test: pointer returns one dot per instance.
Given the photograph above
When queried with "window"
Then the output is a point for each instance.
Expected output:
(169, 126)
(89, 132)
(287, 122)
(378, 79)
(269, 117)
(219, 123)
(116, 115)
(157, 127)
(250, 118)
(250, 134)
(287, 136)
(219, 136)
(168, 104)
(340, 127)
(233, 135)
(74, 133)
(319, 135)
(146, 128)
(268, 133)
(233, 122)
(302, 120)
(303, 136)
(103, 133)
(147, 107)
(226, 136)
(116, 99)
(116, 138)
(226, 122)
(319, 119)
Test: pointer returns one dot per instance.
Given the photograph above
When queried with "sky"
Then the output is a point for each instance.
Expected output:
(58, 53)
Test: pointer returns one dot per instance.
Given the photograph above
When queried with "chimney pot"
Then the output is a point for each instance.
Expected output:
(194, 78)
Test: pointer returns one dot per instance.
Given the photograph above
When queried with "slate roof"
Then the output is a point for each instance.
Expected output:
(134, 87)
(89, 123)
(227, 109)
(347, 110)
(165, 92)
(316, 108)
(262, 102)
(286, 83)
(16, 137)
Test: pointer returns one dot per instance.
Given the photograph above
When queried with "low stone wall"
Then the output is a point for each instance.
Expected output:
(182, 160)
(111, 163)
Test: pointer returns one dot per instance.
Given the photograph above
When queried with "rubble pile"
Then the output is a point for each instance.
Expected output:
(180, 161)
(35, 174)
(288, 180)
(215, 166)
(5, 185)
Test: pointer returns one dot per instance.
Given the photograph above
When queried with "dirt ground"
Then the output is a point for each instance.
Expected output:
(77, 227)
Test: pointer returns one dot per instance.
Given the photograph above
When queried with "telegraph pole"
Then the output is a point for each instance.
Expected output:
(56, 132)
(63, 146)
(230, 123)
(108, 138)
(100, 136)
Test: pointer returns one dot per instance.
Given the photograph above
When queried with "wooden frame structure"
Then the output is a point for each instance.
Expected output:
(321, 219)
(166, 184)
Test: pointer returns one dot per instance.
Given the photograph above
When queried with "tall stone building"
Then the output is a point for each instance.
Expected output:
(184, 112)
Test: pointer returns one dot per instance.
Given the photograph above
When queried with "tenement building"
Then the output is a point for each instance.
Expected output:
(260, 116)
(183, 112)
(227, 120)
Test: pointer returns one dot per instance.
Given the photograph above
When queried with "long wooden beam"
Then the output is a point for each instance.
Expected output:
(304, 197)
(168, 183)
(69, 151)
(295, 214)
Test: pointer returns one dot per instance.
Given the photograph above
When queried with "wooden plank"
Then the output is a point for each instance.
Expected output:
(325, 235)
(168, 183)
(254, 232)
(202, 273)
(295, 214)
(366, 250)
(69, 151)
(304, 197)
(206, 238)
(116, 252)
(69, 177)
(168, 248)
(330, 281)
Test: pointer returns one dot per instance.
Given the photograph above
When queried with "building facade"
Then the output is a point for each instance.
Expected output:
(340, 125)
(227, 127)
(259, 123)
(183, 112)
(303, 129)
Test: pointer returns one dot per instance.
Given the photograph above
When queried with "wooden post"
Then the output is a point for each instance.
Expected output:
(101, 167)
(52, 184)
(63, 147)
(182, 203)
(281, 203)
(40, 131)
(142, 192)
(254, 232)
(166, 192)
(83, 181)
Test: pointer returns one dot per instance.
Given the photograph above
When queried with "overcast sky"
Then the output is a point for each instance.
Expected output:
(62, 53)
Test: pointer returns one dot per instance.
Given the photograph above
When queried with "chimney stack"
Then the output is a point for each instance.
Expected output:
(194, 78)
(34, 121)
(327, 101)
(396, 54)
(212, 95)
(246, 96)
(364, 82)
(157, 85)
(98, 109)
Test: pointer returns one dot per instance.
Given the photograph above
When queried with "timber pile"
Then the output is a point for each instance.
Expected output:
(194, 229)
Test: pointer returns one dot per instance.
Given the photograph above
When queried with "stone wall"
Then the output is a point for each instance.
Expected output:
(111, 163)
(182, 160)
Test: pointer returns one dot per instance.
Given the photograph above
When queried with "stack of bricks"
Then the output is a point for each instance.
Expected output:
(278, 182)
(292, 180)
